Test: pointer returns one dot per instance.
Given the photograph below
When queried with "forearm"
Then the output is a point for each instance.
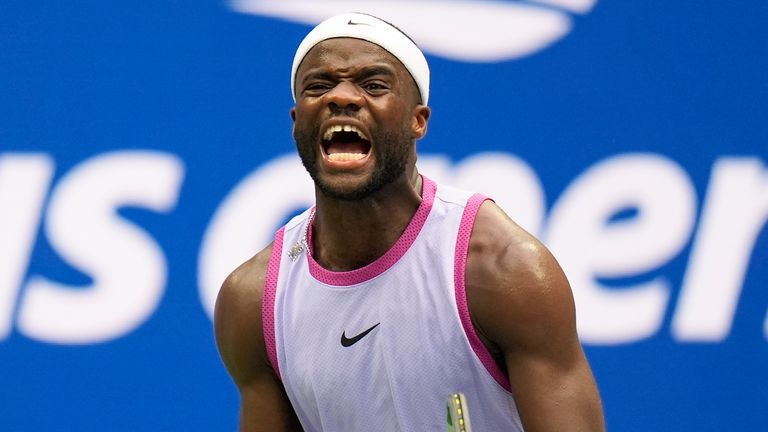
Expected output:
(554, 401)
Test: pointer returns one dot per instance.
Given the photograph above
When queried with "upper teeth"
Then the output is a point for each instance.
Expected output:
(342, 128)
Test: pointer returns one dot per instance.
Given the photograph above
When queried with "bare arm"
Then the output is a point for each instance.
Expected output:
(239, 336)
(522, 304)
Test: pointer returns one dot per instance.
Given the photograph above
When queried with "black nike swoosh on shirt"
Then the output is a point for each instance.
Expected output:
(345, 341)
(358, 23)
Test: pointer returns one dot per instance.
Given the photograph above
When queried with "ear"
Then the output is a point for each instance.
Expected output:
(420, 119)
(293, 119)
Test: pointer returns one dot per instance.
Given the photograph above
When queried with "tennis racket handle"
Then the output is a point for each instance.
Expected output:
(458, 413)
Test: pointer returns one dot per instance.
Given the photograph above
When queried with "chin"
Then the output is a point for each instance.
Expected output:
(348, 189)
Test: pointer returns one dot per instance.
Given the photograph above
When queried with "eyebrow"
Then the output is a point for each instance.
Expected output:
(374, 70)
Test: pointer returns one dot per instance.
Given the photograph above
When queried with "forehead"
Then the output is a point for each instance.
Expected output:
(348, 53)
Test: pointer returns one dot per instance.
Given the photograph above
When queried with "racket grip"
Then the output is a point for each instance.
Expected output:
(458, 413)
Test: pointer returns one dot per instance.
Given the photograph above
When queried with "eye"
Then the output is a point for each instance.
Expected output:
(315, 88)
(375, 87)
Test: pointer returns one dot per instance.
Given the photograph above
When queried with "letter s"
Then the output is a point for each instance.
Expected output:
(127, 267)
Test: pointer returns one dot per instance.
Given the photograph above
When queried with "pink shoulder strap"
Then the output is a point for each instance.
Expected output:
(268, 300)
(460, 267)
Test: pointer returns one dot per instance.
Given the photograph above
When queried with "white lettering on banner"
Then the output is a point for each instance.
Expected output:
(583, 231)
(24, 182)
(127, 266)
(735, 211)
(588, 246)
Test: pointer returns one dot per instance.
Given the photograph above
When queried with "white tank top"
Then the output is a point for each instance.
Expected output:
(380, 348)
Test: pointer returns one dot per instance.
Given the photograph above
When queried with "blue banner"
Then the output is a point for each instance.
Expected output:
(146, 150)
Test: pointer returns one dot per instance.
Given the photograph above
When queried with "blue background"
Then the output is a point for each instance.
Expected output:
(198, 80)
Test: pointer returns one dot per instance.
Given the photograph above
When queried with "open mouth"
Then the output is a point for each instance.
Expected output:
(345, 143)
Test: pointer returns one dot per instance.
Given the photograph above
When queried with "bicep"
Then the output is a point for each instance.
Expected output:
(240, 339)
(265, 407)
(554, 392)
(549, 374)
(522, 302)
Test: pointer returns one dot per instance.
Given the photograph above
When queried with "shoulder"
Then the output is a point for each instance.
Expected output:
(245, 283)
(516, 290)
(237, 318)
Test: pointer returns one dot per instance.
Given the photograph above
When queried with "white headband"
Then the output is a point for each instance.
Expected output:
(371, 29)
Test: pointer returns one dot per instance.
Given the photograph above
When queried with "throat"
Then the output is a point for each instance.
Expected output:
(347, 235)
(346, 245)
(350, 250)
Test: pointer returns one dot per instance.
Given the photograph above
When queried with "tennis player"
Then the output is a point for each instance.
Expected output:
(393, 291)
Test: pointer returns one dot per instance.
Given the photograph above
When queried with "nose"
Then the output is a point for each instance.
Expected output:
(345, 95)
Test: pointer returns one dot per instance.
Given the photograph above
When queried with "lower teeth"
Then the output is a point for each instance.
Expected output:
(345, 156)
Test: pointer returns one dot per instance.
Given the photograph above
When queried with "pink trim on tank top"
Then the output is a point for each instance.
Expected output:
(401, 246)
(460, 267)
(268, 300)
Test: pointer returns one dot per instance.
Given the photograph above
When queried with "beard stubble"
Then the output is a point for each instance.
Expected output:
(392, 152)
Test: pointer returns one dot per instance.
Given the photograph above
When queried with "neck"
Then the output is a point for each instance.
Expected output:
(347, 235)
